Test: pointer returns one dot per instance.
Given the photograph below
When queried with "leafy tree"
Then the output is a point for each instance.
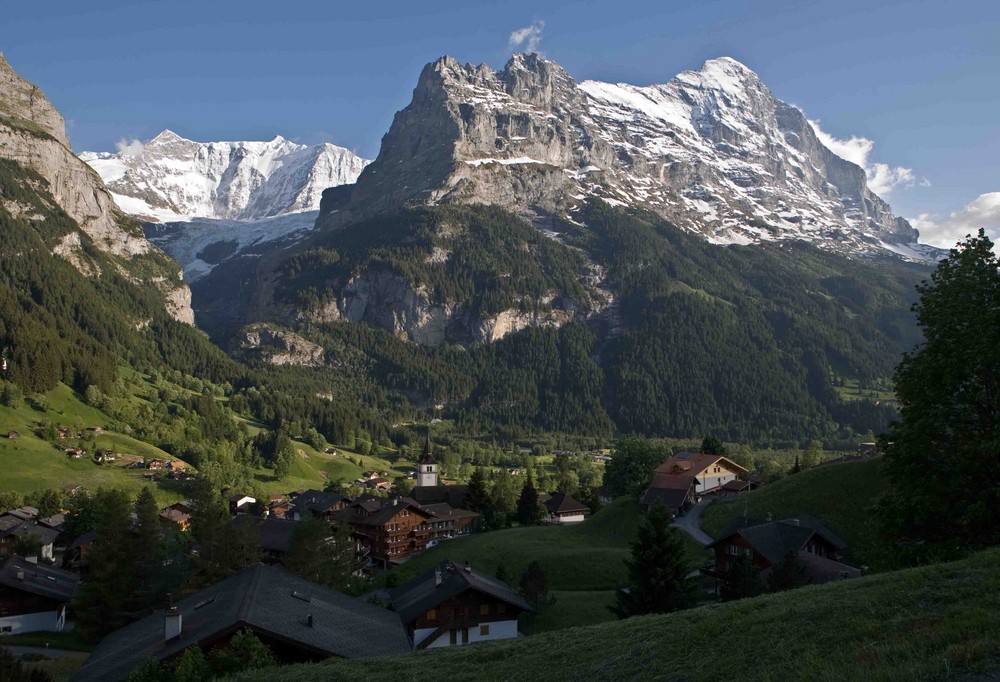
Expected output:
(631, 467)
(788, 573)
(11, 395)
(529, 513)
(192, 666)
(811, 455)
(9, 499)
(741, 580)
(48, 502)
(658, 570)
(534, 585)
(943, 455)
(244, 652)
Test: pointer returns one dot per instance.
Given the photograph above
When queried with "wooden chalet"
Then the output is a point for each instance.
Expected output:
(323, 504)
(33, 597)
(300, 621)
(452, 605)
(681, 480)
(562, 508)
(388, 530)
(767, 542)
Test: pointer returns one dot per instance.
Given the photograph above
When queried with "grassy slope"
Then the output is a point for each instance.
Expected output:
(933, 622)
(31, 464)
(583, 563)
(839, 495)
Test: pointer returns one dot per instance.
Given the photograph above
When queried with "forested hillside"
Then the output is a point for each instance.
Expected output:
(618, 322)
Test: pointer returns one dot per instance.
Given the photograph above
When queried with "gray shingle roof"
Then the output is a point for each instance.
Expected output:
(317, 500)
(44, 581)
(269, 600)
(564, 504)
(773, 538)
(421, 593)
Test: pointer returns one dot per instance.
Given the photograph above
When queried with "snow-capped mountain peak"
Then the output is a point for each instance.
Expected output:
(171, 178)
(712, 150)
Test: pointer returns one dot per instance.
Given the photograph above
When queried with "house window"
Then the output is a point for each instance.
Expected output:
(431, 614)
(484, 609)
(484, 630)
(501, 608)
(7, 628)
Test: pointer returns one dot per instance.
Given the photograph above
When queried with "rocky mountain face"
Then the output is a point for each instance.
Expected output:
(172, 178)
(713, 151)
(33, 134)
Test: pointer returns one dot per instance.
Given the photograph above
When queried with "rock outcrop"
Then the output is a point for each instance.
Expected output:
(33, 134)
(278, 346)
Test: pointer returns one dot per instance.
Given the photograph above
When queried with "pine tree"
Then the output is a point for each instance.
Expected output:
(658, 570)
(477, 497)
(741, 580)
(529, 512)
(149, 549)
(788, 573)
(534, 585)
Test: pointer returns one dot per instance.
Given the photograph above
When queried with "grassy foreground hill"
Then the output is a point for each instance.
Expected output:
(934, 622)
(841, 496)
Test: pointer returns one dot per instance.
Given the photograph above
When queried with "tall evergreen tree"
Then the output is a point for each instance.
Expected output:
(534, 585)
(658, 570)
(477, 498)
(149, 549)
(788, 573)
(943, 455)
(528, 511)
(741, 580)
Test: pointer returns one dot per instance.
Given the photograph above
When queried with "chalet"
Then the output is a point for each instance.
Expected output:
(383, 484)
(175, 518)
(76, 453)
(681, 480)
(175, 465)
(448, 522)
(155, 464)
(388, 530)
(280, 509)
(240, 503)
(452, 605)
(33, 597)
(300, 621)
(13, 434)
(767, 542)
(64, 433)
(72, 489)
(322, 504)
(16, 531)
(562, 508)
(77, 556)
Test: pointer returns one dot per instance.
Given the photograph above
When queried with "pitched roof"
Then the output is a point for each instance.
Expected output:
(43, 581)
(672, 498)
(275, 534)
(433, 494)
(422, 593)
(694, 463)
(561, 503)
(773, 538)
(383, 514)
(427, 457)
(317, 500)
(25, 529)
(268, 599)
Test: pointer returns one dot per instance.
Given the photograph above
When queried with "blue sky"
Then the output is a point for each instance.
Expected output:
(917, 83)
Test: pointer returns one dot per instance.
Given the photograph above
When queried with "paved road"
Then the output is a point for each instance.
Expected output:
(690, 523)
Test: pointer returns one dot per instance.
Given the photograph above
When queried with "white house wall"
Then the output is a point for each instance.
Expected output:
(46, 621)
(502, 629)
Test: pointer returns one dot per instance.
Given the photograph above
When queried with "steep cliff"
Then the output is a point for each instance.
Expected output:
(33, 135)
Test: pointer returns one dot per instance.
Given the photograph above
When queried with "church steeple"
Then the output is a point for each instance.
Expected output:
(427, 474)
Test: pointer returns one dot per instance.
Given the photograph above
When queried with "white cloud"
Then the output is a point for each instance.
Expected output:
(129, 148)
(983, 212)
(882, 178)
(527, 37)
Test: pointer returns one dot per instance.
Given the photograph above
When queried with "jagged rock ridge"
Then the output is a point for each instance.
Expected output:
(713, 151)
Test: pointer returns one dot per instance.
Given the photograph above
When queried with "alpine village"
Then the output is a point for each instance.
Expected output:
(573, 381)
